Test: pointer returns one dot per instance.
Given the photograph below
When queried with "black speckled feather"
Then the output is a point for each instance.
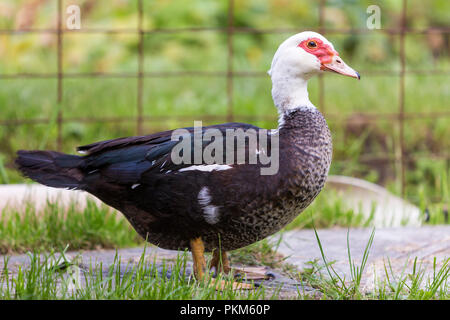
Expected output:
(237, 206)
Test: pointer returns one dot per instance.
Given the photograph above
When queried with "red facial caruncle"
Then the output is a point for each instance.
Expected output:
(321, 50)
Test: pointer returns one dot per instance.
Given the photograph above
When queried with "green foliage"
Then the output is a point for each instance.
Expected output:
(179, 101)
(48, 278)
(329, 211)
(337, 286)
(53, 276)
(413, 285)
(55, 228)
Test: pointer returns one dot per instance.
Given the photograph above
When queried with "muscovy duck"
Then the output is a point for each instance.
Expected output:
(212, 206)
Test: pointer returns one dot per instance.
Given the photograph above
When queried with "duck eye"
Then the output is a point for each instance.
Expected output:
(311, 44)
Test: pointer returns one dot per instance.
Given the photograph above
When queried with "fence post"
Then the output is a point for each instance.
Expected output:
(321, 81)
(401, 99)
(230, 30)
(140, 77)
(59, 97)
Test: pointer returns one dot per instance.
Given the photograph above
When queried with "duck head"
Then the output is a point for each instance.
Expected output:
(299, 58)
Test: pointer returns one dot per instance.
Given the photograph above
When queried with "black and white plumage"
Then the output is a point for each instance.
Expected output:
(170, 204)
(227, 205)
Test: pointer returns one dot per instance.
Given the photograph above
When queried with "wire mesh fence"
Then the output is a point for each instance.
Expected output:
(398, 115)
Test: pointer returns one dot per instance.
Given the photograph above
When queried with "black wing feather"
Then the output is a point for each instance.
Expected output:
(125, 160)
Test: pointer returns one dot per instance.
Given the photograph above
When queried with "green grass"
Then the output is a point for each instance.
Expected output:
(54, 230)
(337, 286)
(329, 210)
(56, 227)
(51, 276)
(415, 284)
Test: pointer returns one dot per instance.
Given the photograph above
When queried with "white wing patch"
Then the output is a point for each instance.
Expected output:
(208, 167)
(210, 212)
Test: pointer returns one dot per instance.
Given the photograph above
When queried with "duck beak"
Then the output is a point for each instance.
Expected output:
(339, 66)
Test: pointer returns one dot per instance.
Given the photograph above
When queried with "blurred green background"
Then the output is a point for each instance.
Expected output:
(364, 146)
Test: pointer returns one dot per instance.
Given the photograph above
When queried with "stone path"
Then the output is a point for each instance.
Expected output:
(401, 245)
(299, 247)
(284, 286)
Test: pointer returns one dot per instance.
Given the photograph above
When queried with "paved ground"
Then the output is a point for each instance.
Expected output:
(401, 245)
(285, 286)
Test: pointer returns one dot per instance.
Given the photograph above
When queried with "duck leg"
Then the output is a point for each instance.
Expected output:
(198, 251)
(198, 256)
(220, 261)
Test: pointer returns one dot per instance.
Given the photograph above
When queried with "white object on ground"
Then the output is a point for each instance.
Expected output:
(17, 195)
(363, 196)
